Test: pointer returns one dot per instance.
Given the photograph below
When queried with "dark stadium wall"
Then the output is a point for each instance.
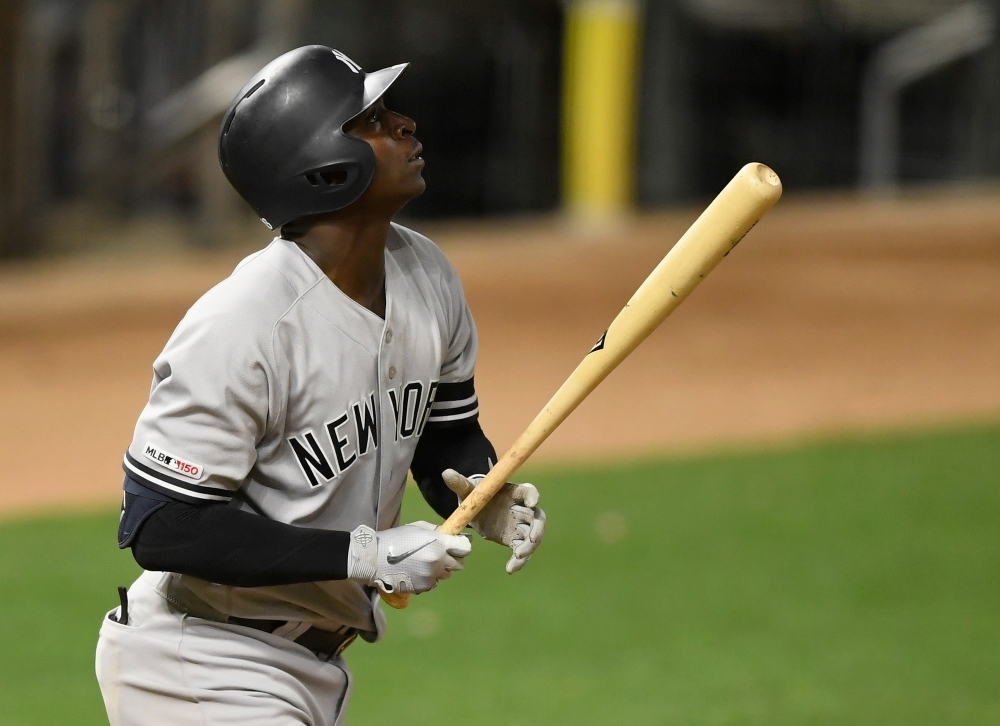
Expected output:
(79, 79)
(19, 199)
(716, 96)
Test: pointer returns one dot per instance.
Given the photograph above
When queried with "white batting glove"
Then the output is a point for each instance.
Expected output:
(511, 518)
(412, 558)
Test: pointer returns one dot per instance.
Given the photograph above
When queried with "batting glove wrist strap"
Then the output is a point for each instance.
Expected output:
(362, 557)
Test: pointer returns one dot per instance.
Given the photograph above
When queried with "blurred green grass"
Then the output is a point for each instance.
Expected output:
(843, 582)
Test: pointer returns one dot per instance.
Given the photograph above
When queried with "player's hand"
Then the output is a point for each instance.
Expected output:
(511, 518)
(412, 558)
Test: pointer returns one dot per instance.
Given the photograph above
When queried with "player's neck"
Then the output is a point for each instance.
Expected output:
(350, 250)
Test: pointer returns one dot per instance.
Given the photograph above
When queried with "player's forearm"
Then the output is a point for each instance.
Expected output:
(462, 448)
(231, 547)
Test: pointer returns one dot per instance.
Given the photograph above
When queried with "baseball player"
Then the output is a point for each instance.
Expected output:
(264, 482)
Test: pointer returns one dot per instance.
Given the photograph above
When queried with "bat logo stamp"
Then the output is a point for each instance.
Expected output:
(599, 345)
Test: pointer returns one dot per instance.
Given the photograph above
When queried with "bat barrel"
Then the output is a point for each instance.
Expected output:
(733, 213)
(739, 206)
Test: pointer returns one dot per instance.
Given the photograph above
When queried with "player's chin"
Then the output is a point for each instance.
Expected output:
(415, 185)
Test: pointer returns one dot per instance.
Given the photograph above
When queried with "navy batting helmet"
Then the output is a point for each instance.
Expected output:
(282, 144)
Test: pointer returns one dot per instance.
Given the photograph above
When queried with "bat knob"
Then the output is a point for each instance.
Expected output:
(397, 600)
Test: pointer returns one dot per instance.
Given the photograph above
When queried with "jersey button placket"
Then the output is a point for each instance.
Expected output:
(392, 372)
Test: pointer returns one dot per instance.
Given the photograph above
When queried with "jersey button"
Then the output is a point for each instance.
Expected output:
(388, 336)
(392, 372)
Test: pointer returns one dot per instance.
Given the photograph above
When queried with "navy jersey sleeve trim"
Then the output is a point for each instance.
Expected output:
(455, 404)
(170, 486)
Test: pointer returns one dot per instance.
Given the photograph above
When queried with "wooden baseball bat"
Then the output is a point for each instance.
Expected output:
(747, 198)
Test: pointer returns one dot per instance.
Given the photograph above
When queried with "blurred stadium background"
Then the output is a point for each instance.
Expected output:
(111, 107)
(782, 509)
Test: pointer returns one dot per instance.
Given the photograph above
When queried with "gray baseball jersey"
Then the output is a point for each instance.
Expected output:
(280, 395)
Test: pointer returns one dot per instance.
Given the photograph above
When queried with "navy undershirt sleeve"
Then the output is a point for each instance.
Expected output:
(462, 448)
(221, 544)
(228, 546)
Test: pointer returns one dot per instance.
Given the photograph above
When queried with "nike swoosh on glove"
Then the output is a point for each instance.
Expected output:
(511, 517)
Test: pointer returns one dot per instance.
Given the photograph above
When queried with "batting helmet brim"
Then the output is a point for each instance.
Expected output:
(378, 82)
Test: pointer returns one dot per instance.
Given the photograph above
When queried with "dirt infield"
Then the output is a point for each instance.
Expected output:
(832, 315)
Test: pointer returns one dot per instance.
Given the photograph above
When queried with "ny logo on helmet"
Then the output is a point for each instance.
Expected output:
(347, 61)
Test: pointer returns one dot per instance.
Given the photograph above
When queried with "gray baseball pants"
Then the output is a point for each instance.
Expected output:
(167, 667)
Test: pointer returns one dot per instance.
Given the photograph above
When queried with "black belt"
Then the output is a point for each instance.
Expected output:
(324, 643)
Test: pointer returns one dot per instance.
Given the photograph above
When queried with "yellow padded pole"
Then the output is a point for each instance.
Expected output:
(600, 61)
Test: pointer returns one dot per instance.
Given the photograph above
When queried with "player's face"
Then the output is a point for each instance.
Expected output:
(398, 164)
